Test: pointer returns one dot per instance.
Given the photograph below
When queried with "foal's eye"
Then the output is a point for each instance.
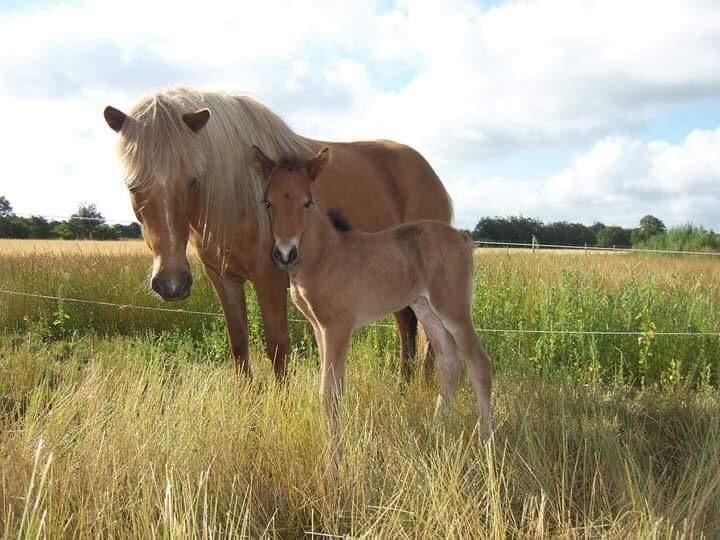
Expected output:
(308, 204)
(266, 203)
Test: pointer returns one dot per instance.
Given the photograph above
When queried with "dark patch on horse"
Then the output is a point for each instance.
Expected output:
(338, 220)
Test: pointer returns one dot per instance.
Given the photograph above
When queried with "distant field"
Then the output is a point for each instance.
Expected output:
(129, 423)
(77, 247)
(138, 246)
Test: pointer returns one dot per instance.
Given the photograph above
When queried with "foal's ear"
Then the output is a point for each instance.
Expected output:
(196, 120)
(114, 118)
(317, 163)
(263, 164)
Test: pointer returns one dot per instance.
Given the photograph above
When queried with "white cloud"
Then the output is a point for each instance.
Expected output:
(457, 81)
(617, 181)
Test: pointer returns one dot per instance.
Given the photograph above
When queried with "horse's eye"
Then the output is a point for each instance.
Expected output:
(193, 183)
(309, 203)
(266, 203)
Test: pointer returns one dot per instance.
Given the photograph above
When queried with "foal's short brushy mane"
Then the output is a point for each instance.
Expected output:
(338, 220)
(156, 147)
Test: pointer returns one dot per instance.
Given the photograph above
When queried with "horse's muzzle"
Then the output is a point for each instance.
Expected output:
(175, 287)
(285, 260)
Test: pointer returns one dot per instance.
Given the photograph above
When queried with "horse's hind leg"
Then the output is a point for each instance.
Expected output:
(449, 365)
(407, 326)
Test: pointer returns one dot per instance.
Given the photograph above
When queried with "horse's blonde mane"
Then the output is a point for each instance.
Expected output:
(157, 147)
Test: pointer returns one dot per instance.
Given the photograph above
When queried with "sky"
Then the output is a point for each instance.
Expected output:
(576, 110)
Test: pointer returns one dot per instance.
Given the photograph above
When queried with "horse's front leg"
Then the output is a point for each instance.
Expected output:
(231, 292)
(271, 292)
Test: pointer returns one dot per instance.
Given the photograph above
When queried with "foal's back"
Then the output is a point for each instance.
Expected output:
(430, 249)
(403, 263)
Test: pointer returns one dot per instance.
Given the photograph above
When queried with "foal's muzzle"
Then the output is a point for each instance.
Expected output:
(172, 287)
(285, 260)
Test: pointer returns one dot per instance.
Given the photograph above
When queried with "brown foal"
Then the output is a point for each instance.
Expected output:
(342, 279)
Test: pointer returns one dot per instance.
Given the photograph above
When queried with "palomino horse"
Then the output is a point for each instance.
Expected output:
(188, 182)
(342, 279)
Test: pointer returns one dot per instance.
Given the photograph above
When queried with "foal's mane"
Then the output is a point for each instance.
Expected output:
(338, 220)
(156, 147)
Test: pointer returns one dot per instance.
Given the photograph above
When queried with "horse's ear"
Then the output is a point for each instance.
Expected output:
(263, 164)
(114, 118)
(318, 163)
(196, 120)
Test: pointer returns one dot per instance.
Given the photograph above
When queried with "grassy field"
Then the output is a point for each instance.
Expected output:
(130, 423)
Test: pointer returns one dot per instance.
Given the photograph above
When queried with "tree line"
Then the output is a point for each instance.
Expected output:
(651, 234)
(85, 224)
(89, 223)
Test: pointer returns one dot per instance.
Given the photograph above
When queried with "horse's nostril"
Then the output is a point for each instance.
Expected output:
(157, 286)
(277, 256)
(292, 255)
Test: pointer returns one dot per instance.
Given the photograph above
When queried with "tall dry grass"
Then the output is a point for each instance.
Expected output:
(124, 423)
(118, 438)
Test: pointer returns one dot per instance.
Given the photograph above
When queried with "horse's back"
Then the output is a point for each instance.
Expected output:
(425, 195)
(379, 184)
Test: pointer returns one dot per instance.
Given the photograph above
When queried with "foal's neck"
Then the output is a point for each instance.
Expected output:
(320, 240)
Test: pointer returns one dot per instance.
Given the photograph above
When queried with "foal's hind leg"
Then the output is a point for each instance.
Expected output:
(449, 365)
(477, 360)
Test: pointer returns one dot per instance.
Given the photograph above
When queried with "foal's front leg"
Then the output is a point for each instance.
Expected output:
(304, 307)
(332, 378)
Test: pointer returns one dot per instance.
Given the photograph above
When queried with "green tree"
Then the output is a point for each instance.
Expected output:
(613, 236)
(511, 229)
(649, 226)
(64, 231)
(39, 227)
(84, 222)
(133, 230)
(104, 232)
(6, 209)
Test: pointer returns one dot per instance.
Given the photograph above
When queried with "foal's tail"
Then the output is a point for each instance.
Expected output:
(470, 245)
(468, 238)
